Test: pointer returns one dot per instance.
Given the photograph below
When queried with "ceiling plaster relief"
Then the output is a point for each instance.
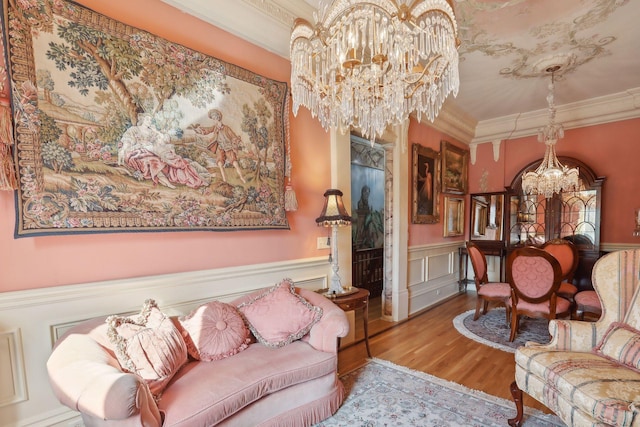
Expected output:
(276, 12)
(578, 34)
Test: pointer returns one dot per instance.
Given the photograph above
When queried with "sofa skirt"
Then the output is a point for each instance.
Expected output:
(301, 405)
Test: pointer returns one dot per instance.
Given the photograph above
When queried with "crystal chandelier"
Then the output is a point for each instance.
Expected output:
(551, 176)
(369, 64)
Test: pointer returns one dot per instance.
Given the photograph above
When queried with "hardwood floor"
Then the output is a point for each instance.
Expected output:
(428, 342)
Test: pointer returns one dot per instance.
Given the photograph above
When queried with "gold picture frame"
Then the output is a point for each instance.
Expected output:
(455, 166)
(425, 185)
(453, 216)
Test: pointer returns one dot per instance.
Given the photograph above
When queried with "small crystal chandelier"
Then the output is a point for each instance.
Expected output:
(551, 176)
(369, 64)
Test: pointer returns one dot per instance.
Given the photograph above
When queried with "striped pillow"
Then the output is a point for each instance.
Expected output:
(621, 343)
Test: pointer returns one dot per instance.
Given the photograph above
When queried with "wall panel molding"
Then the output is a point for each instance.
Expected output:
(13, 386)
(433, 274)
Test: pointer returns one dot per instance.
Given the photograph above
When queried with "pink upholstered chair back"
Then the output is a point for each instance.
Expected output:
(567, 255)
(478, 262)
(534, 275)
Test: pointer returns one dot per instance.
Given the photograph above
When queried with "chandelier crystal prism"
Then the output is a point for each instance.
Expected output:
(368, 64)
(551, 176)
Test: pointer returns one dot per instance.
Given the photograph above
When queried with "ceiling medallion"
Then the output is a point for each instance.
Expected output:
(369, 64)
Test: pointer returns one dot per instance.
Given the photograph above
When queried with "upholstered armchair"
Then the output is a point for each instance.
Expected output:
(486, 291)
(589, 374)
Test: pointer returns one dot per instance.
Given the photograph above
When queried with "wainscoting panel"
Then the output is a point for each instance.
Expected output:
(433, 274)
(417, 271)
(439, 266)
(31, 321)
(13, 388)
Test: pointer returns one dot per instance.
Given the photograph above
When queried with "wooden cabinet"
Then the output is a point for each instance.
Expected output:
(486, 229)
(574, 216)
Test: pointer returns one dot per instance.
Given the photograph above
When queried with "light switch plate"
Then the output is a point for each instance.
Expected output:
(323, 243)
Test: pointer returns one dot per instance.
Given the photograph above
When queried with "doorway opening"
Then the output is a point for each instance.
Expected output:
(368, 195)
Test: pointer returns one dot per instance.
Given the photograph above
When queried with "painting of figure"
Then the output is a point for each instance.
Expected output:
(367, 195)
(426, 186)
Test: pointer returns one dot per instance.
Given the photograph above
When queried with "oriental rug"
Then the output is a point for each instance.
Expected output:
(119, 130)
(384, 394)
(491, 329)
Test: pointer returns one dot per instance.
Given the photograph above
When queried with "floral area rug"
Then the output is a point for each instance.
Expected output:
(491, 329)
(384, 394)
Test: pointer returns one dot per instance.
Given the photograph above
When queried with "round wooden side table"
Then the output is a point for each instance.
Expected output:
(355, 301)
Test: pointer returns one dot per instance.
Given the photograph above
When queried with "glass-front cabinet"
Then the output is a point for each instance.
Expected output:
(574, 216)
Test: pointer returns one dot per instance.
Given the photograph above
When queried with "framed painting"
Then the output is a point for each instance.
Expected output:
(425, 185)
(119, 130)
(453, 216)
(455, 164)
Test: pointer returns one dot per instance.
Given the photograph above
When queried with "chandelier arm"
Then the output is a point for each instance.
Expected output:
(424, 71)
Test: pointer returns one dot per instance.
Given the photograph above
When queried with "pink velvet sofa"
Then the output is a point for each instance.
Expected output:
(293, 385)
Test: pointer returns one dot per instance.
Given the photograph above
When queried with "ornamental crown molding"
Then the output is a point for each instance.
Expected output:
(454, 122)
(595, 111)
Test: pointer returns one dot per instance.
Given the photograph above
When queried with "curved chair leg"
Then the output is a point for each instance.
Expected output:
(517, 398)
(515, 323)
(478, 304)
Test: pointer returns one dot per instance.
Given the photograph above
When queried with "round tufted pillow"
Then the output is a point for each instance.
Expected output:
(214, 331)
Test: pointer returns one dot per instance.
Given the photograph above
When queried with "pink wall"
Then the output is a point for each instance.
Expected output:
(422, 234)
(57, 260)
(611, 150)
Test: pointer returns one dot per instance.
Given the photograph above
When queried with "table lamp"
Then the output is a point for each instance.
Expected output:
(334, 215)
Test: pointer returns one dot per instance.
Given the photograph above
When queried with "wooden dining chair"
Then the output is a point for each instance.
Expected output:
(587, 302)
(534, 276)
(567, 255)
(486, 291)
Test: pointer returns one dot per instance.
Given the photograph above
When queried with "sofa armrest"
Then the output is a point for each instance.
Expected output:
(85, 377)
(572, 335)
(333, 324)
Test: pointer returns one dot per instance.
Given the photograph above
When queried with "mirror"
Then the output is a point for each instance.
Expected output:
(486, 216)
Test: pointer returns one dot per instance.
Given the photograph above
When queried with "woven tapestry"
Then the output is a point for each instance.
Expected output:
(119, 130)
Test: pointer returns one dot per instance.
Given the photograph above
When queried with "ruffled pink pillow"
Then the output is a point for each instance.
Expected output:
(280, 316)
(214, 331)
(148, 345)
